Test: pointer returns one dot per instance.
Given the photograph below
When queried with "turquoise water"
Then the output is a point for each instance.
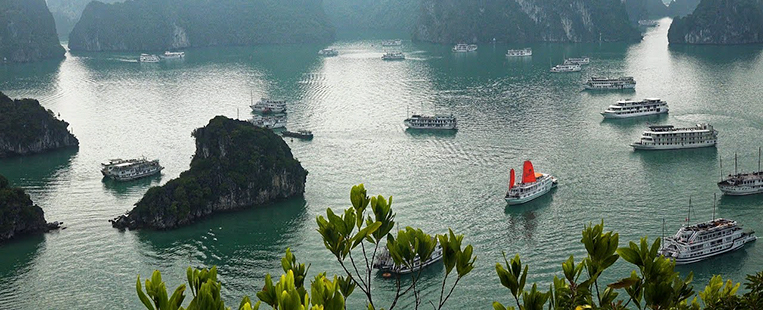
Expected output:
(509, 110)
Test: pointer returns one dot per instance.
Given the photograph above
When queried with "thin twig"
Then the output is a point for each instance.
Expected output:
(449, 293)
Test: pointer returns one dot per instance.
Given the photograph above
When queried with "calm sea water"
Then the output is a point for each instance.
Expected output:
(509, 110)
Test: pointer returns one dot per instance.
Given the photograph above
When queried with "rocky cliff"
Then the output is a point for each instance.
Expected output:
(720, 22)
(66, 13)
(236, 165)
(27, 128)
(144, 25)
(372, 14)
(681, 8)
(18, 215)
(450, 21)
(645, 9)
(27, 32)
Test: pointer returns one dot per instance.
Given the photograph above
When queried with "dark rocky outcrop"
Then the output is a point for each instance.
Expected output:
(18, 215)
(720, 22)
(236, 165)
(27, 128)
(680, 8)
(645, 9)
(450, 21)
(146, 25)
(27, 32)
(66, 13)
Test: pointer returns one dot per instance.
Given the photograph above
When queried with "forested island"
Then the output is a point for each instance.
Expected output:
(28, 128)
(18, 215)
(449, 21)
(27, 32)
(236, 165)
(66, 13)
(720, 22)
(149, 25)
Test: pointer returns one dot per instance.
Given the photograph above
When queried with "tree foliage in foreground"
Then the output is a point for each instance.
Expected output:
(653, 284)
(354, 237)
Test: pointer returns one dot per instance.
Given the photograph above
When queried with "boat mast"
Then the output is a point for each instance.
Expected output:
(688, 217)
(714, 197)
(720, 160)
(735, 164)
(758, 159)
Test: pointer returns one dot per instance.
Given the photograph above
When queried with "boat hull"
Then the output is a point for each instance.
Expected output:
(738, 244)
(638, 146)
(405, 270)
(740, 190)
(617, 87)
(609, 115)
(520, 200)
(131, 177)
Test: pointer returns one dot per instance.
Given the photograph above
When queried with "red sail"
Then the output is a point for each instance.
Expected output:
(511, 179)
(528, 173)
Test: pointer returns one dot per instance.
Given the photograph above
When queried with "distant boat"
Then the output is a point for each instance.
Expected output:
(519, 53)
(328, 52)
(533, 185)
(740, 184)
(603, 83)
(265, 106)
(269, 122)
(464, 48)
(632, 108)
(392, 43)
(648, 23)
(577, 61)
(148, 58)
(300, 134)
(668, 137)
(565, 68)
(436, 122)
(385, 263)
(393, 56)
(693, 243)
(130, 169)
(173, 55)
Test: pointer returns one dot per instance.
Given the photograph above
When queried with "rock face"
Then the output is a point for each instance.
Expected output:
(645, 9)
(158, 25)
(236, 165)
(18, 215)
(372, 14)
(680, 8)
(452, 21)
(720, 22)
(66, 13)
(27, 128)
(27, 32)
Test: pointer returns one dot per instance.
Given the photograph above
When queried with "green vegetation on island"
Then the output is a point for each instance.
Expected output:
(720, 22)
(27, 128)
(158, 25)
(27, 32)
(236, 165)
(454, 21)
(363, 228)
(18, 215)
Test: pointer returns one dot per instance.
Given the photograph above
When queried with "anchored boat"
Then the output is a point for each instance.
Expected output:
(265, 106)
(520, 53)
(668, 137)
(393, 56)
(566, 68)
(130, 169)
(533, 185)
(602, 83)
(740, 184)
(299, 134)
(632, 108)
(437, 122)
(385, 263)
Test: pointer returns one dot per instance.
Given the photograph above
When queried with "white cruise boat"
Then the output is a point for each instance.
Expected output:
(385, 264)
(577, 61)
(148, 58)
(566, 68)
(173, 55)
(269, 106)
(602, 83)
(130, 169)
(740, 184)
(704, 240)
(464, 48)
(269, 122)
(393, 56)
(519, 53)
(392, 43)
(668, 137)
(328, 52)
(437, 122)
(533, 185)
(632, 108)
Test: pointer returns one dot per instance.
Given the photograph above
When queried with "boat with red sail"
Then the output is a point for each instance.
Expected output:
(533, 185)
